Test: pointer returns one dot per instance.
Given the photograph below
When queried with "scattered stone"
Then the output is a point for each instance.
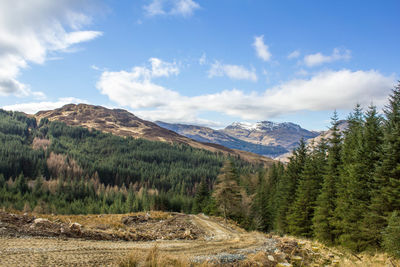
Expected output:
(221, 258)
(271, 258)
(40, 220)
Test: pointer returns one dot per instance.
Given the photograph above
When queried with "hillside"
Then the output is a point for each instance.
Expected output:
(205, 134)
(123, 123)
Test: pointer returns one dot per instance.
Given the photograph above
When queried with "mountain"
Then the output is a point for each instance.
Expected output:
(343, 124)
(313, 142)
(123, 123)
(205, 134)
(269, 133)
(264, 138)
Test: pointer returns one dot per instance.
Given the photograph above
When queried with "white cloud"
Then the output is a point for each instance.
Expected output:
(261, 48)
(33, 107)
(161, 68)
(203, 59)
(30, 31)
(232, 71)
(122, 86)
(326, 90)
(318, 58)
(183, 8)
(294, 54)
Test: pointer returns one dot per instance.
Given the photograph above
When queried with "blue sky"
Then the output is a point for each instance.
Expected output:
(207, 62)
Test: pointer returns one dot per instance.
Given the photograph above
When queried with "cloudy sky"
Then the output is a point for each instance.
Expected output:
(206, 62)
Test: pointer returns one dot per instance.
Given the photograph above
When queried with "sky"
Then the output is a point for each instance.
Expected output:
(203, 62)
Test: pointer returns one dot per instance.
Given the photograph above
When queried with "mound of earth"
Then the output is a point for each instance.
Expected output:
(131, 228)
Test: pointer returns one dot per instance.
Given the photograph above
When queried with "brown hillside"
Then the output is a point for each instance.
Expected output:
(123, 123)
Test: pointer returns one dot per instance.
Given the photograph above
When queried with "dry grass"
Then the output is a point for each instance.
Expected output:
(367, 260)
(112, 221)
(338, 256)
(154, 258)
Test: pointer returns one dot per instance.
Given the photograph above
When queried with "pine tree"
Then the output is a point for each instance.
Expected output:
(20, 184)
(201, 197)
(260, 203)
(361, 146)
(386, 194)
(226, 191)
(287, 186)
(302, 211)
(323, 221)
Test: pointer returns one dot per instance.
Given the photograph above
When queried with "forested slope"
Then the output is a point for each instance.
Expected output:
(58, 168)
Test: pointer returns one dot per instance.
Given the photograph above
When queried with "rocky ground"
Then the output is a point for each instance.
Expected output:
(105, 240)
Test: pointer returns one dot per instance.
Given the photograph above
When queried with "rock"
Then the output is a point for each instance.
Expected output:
(271, 258)
(284, 264)
(40, 220)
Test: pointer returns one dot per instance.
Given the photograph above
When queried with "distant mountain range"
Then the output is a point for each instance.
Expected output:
(208, 135)
(264, 138)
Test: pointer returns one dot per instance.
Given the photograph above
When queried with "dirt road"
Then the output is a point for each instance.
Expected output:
(220, 238)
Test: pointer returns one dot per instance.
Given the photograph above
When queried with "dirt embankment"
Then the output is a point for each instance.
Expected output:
(129, 227)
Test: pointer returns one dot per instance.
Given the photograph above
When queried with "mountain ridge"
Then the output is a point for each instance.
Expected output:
(123, 123)
(209, 135)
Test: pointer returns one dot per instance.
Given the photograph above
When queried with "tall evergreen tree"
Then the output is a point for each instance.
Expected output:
(353, 187)
(323, 221)
(227, 192)
(287, 186)
(201, 197)
(302, 211)
(386, 194)
(265, 201)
